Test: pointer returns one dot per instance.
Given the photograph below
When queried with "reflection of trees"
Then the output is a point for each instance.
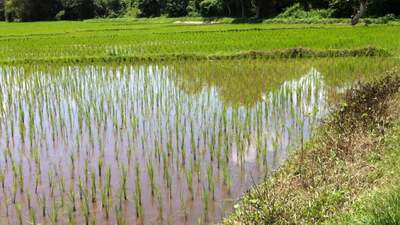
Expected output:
(237, 82)
(241, 82)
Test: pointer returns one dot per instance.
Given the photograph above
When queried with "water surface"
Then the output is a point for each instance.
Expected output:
(155, 143)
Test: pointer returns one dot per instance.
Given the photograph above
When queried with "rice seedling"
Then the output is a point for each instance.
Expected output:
(19, 214)
(150, 172)
(205, 203)
(211, 184)
(124, 181)
(68, 42)
(54, 216)
(138, 193)
(108, 182)
(71, 217)
(160, 205)
(189, 180)
(42, 203)
(32, 215)
(2, 179)
(120, 216)
(94, 189)
(86, 210)
(88, 135)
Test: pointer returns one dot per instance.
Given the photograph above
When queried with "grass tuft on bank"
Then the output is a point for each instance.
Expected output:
(350, 163)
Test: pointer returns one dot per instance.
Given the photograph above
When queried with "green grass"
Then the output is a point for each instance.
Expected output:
(164, 37)
(380, 205)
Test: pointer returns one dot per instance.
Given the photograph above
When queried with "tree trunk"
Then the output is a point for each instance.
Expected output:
(258, 11)
(360, 13)
(256, 5)
(228, 6)
(243, 10)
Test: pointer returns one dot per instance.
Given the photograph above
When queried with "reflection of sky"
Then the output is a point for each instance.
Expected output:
(302, 99)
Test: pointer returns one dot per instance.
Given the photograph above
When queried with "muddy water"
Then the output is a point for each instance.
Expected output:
(127, 145)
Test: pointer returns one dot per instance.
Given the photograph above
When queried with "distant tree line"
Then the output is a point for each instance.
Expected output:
(33, 10)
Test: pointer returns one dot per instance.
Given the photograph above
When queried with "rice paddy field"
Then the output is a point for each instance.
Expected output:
(154, 141)
(105, 39)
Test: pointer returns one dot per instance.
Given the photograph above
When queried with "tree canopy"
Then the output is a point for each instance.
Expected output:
(33, 10)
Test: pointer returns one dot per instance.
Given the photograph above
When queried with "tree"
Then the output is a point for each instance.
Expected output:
(30, 10)
(17, 10)
(78, 9)
(149, 8)
(109, 7)
(361, 11)
(269, 8)
(176, 8)
(313, 4)
(359, 8)
(44, 9)
(383, 7)
(211, 8)
(2, 18)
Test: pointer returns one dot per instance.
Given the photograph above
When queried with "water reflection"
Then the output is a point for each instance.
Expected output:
(126, 145)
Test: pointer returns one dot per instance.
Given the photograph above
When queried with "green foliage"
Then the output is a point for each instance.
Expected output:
(376, 8)
(2, 18)
(297, 12)
(108, 8)
(132, 12)
(149, 8)
(313, 4)
(385, 209)
(28, 10)
(211, 8)
(176, 8)
(15, 10)
(78, 9)
(193, 7)
(384, 7)
(32, 10)
(343, 8)
(381, 205)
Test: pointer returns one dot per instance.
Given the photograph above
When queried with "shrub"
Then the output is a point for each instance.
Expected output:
(132, 12)
(193, 8)
(79, 9)
(176, 8)
(149, 8)
(387, 18)
(210, 8)
(297, 12)
(109, 8)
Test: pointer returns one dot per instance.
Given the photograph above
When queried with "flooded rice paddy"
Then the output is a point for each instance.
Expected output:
(155, 143)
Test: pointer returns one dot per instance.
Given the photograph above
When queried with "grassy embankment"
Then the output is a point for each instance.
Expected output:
(164, 39)
(348, 173)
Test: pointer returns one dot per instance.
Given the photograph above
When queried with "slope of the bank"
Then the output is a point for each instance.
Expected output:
(379, 205)
(348, 165)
